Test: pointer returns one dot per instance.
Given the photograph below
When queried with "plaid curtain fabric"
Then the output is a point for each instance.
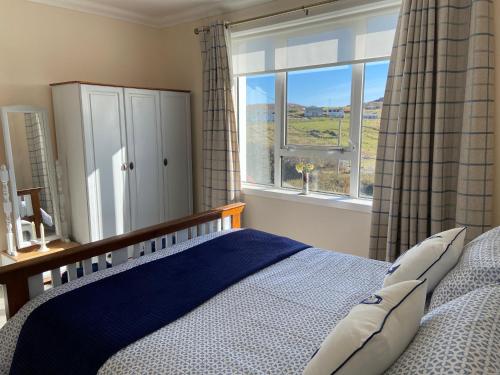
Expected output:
(435, 154)
(221, 168)
(36, 150)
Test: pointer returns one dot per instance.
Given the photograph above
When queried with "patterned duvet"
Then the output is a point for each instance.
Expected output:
(269, 323)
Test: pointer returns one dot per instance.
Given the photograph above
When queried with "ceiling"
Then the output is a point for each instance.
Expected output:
(156, 13)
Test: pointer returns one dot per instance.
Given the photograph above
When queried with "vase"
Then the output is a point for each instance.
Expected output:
(305, 183)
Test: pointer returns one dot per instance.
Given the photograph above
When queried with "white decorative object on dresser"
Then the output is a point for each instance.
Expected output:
(126, 153)
(7, 209)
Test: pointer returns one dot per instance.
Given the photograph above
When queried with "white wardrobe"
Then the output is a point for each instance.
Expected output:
(125, 155)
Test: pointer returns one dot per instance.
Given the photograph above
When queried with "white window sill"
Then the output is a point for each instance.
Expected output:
(324, 200)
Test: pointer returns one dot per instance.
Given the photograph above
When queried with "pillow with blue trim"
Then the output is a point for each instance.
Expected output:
(374, 333)
(431, 259)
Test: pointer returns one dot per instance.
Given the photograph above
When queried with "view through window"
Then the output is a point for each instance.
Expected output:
(258, 125)
(310, 93)
(313, 116)
(373, 98)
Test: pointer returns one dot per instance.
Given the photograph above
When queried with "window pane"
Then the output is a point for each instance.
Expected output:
(319, 106)
(328, 176)
(375, 80)
(258, 100)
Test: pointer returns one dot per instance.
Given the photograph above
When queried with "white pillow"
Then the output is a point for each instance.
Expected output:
(374, 333)
(431, 259)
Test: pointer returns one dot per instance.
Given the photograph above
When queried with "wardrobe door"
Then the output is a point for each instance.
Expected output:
(105, 156)
(177, 176)
(142, 108)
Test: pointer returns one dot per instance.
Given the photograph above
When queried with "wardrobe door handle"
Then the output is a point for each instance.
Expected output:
(124, 167)
(131, 165)
(165, 162)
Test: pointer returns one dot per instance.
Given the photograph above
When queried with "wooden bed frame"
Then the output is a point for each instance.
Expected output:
(24, 280)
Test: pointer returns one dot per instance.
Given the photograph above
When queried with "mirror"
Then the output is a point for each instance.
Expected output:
(28, 149)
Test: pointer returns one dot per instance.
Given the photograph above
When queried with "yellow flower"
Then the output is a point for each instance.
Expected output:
(299, 167)
(309, 167)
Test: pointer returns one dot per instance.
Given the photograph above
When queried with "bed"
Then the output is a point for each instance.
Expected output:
(271, 322)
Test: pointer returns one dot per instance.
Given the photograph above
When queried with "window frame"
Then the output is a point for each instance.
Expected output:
(281, 149)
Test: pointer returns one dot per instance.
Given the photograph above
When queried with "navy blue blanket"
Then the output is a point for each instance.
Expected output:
(78, 331)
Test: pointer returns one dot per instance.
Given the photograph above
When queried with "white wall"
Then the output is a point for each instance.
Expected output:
(324, 227)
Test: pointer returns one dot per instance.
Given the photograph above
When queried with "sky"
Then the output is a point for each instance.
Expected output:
(320, 87)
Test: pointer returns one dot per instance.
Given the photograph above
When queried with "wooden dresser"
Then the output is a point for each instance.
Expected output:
(32, 252)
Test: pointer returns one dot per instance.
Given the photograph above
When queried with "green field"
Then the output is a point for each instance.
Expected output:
(328, 176)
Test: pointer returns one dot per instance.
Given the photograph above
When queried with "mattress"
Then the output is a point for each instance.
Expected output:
(269, 323)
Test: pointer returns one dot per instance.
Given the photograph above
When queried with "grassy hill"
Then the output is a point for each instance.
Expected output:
(321, 131)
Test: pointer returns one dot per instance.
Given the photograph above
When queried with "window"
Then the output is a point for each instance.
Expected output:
(373, 98)
(317, 107)
(319, 126)
(298, 103)
(258, 127)
(328, 176)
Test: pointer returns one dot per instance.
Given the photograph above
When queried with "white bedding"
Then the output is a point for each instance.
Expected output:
(269, 323)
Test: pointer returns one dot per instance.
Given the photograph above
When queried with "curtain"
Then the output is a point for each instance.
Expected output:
(221, 167)
(38, 160)
(434, 165)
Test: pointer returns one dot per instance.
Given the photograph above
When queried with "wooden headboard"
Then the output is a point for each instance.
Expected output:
(24, 280)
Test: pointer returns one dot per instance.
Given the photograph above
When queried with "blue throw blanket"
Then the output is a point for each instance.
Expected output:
(77, 332)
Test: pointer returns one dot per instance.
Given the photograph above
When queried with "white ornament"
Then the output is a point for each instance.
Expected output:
(7, 209)
(43, 243)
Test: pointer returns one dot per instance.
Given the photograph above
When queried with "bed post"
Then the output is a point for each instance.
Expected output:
(16, 294)
(234, 213)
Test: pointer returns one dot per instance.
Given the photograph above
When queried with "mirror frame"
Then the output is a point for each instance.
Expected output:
(43, 113)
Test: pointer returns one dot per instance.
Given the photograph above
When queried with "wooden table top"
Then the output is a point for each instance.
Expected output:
(32, 251)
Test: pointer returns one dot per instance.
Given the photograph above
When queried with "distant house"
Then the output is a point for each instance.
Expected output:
(313, 111)
(370, 116)
(374, 105)
(336, 113)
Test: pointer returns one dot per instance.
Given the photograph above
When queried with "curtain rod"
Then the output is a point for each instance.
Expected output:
(304, 8)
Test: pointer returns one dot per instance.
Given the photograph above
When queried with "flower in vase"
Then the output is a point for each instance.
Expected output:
(302, 167)
(299, 167)
(308, 167)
